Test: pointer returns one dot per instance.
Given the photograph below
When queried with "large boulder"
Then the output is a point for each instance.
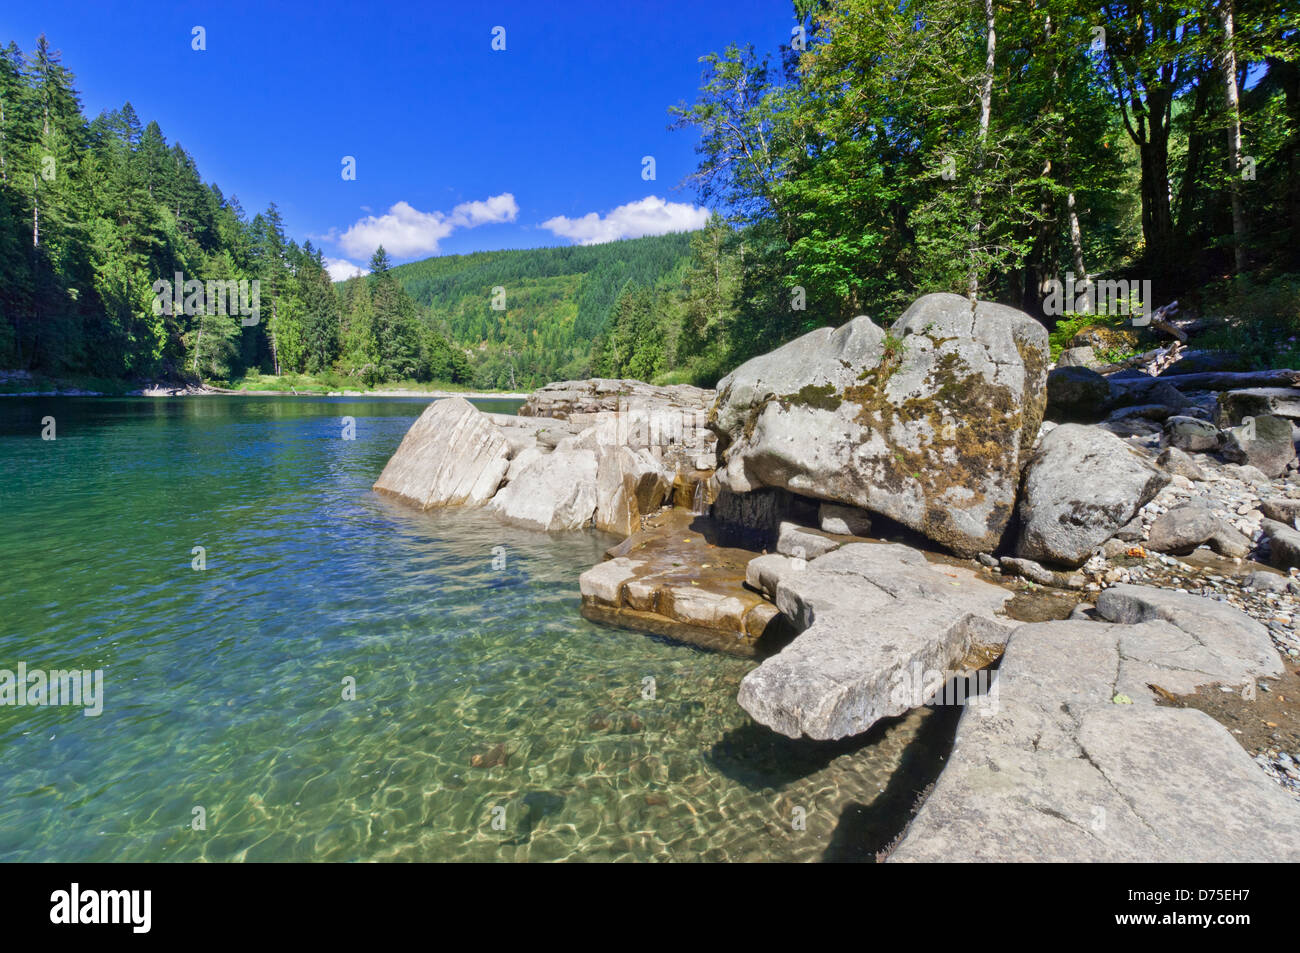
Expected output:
(452, 454)
(1261, 442)
(928, 425)
(1077, 394)
(1082, 485)
(872, 616)
(557, 491)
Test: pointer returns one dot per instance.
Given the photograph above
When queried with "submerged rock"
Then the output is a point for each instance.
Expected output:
(928, 425)
(452, 454)
(1082, 485)
(870, 615)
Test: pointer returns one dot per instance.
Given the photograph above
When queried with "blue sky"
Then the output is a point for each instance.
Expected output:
(458, 147)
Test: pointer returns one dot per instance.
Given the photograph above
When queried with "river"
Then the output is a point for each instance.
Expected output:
(348, 679)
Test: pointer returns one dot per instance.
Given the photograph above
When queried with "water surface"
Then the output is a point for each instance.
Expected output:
(491, 722)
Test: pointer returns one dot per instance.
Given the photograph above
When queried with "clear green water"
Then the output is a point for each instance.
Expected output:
(223, 688)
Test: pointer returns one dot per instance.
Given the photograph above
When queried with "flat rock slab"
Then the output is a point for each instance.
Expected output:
(1227, 645)
(1069, 759)
(870, 615)
(669, 579)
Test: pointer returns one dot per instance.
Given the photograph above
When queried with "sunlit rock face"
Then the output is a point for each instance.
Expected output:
(929, 424)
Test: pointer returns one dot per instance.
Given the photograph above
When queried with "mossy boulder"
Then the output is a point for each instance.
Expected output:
(928, 424)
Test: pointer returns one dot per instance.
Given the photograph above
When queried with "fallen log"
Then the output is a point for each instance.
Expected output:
(1233, 380)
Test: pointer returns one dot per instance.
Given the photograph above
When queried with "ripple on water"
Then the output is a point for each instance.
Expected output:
(482, 696)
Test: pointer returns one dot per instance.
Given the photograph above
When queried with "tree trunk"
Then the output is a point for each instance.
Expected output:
(986, 112)
(1234, 137)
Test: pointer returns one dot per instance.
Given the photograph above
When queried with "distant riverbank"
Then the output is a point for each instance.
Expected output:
(26, 384)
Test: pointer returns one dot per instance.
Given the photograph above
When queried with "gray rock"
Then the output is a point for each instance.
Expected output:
(762, 573)
(871, 616)
(1281, 508)
(1283, 544)
(1260, 442)
(1063, 773)
(1151, 412)
(1192, 434)
(803, 543)
(523, 458)
(1149, 391)
(453, 454)
(563, 399)
(524, 432)
(1231, 645)
(1077, 394)
(845, 520)
(629, 484)
(1247, 474)
(1083, 356)
(1236, 405)
(1036, 572)
(1082, 485)
(604, 581)
(1266, 581)
(1179, 464)
(931, 433)
(1183, 528)
(1132, 531)
(554, 492)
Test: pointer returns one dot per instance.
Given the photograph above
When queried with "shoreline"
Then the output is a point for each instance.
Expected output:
(222, 392)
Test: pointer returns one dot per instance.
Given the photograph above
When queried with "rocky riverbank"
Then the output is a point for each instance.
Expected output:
(868, 513)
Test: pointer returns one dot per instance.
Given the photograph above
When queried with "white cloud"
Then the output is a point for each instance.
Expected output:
(499, 208)
(340, 269)
(405, 231)
(650, 216)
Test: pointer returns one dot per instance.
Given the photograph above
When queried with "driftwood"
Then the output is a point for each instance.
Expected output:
(1233, 380)
(1160, 321)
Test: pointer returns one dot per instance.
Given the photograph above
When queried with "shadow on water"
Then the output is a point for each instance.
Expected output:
(865, 830)
(759, 758)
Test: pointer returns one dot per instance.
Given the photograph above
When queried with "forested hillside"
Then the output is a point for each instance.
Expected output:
(887, 150)
(93, 213)
(551, 305)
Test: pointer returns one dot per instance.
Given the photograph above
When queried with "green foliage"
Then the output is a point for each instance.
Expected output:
(1257, 322)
